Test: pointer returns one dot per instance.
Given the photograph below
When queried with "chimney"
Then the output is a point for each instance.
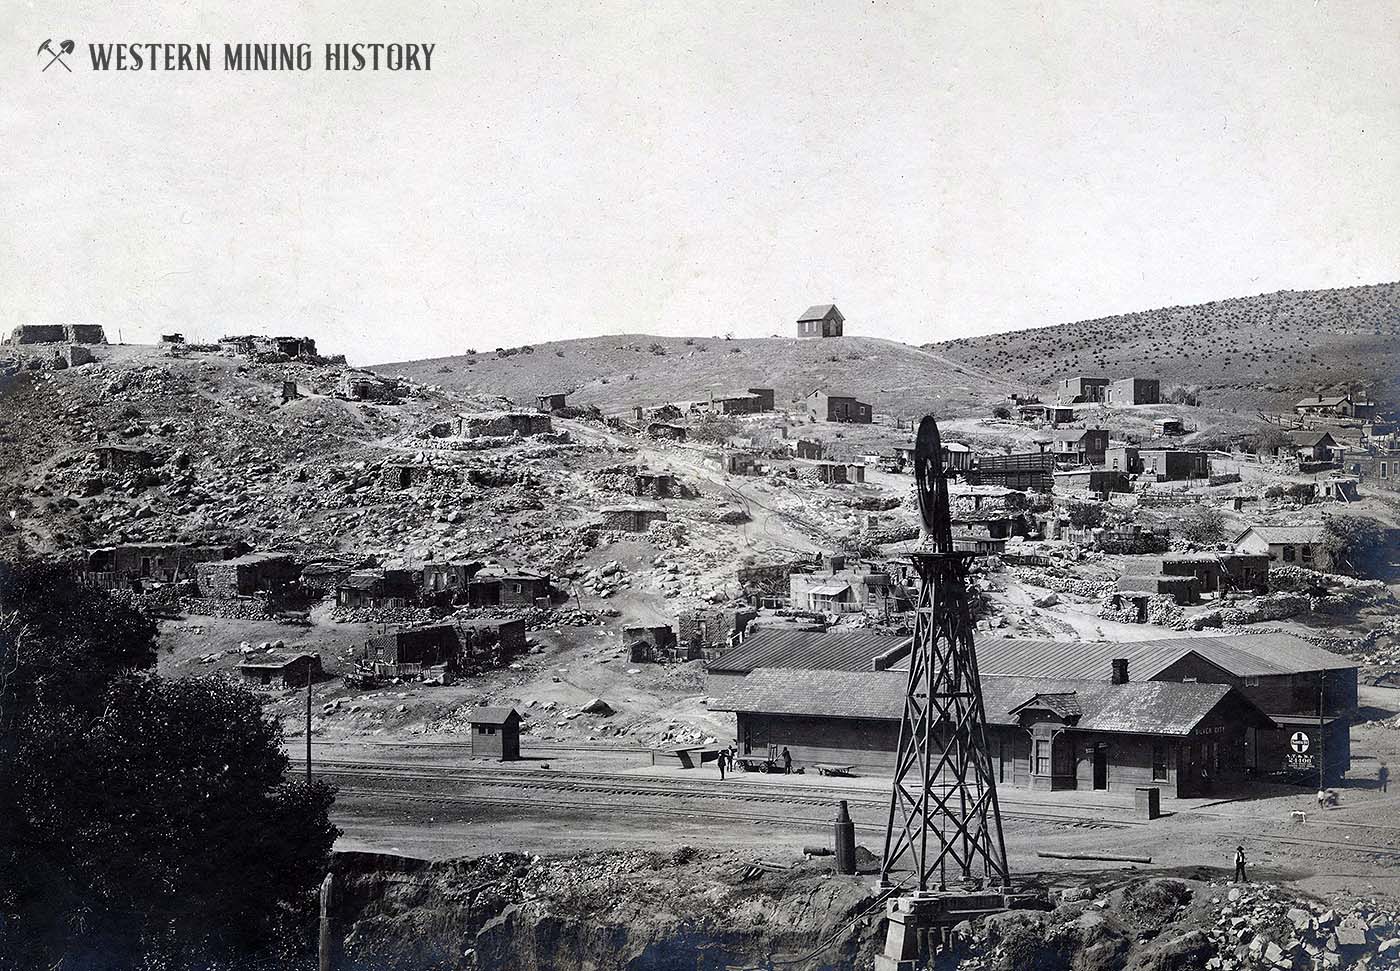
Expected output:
(1120, 671)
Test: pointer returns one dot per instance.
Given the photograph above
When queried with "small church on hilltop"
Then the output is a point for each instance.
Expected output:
(823, 320)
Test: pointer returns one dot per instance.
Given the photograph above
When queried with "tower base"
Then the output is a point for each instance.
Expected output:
(918, 924)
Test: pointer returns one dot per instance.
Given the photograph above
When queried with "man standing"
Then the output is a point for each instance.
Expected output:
(1239, 865)
(719, 760)
(1383, 776)
(787, 761)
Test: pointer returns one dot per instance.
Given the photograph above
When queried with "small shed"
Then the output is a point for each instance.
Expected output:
(287, 671)
(551, 401)
(495, 734)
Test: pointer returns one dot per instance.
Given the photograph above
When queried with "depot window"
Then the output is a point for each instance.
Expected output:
(1042, 756)
(1159, 761)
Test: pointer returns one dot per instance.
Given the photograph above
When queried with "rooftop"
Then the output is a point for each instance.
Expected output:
(832, 650)
(1143, 707)
(817, 312)
(1286, 534)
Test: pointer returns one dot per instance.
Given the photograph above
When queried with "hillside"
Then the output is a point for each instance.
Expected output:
(1249, 352)
(619, 371)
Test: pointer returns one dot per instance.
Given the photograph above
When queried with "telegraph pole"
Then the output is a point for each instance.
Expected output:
(308, 723)
(1321, 733)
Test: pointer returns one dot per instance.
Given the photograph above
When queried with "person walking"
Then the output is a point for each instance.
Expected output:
(1383, 776)
(787, 761)
(1239, 865)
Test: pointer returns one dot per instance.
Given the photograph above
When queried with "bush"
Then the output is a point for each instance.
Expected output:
(1002, 412)
(1358, 545)
(658, 349)
(1085, 515)
(1203, 525)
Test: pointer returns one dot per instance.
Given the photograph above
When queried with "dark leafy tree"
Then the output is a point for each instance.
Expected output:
(154, 826)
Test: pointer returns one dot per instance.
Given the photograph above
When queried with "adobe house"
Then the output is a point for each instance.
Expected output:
(1045, 414)
(1220, 571)
(1135, 391)
(831, 473)
(166, 562)
(661, 485)
(246, 575)
(667, 430)
(804, 448)
(765, 398)
(495, 586)
(425, 646)
(1168, 427)
(1184, 590)
(1289, 545)
(287, 671)
(1335, 406)
(39, 334)
(821, 320)
(1082, 446)
(631, 519)
(503, 637)
(85, 334)
(379, 587)
(1170, 465)
(1082, 390)
(447, 576)
(503, 424)
(551, 401)
(1123, 458)
(654, 643)
(824, 406)
(495, 734)
(737, 403)
(122, 459)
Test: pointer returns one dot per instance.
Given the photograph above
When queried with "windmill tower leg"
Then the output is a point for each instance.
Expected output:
(944, 824)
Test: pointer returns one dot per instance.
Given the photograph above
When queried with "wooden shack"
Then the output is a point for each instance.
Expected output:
(495, 734)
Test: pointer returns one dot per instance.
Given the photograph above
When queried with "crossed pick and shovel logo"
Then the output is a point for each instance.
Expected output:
(64, 47)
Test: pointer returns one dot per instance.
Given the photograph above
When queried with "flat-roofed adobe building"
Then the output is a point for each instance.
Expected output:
(825, 406)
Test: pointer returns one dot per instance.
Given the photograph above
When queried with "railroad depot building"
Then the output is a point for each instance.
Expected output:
(1193, 715)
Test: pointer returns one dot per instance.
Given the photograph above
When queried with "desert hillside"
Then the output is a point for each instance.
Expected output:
(617, 372)
(1248, 352)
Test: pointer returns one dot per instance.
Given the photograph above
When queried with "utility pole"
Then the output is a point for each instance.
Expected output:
(308, 723)
(1321, 733)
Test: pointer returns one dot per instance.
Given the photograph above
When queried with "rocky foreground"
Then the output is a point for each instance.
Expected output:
(706, 910)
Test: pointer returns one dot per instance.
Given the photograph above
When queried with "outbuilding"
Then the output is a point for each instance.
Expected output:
(495, 734)
(286, 671)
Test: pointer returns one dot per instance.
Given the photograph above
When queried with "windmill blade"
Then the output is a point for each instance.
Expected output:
(932, 485)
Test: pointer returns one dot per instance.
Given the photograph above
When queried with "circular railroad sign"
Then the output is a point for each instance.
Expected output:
(1300, 742)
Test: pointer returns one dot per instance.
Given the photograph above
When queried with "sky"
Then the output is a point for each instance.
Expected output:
(564, 170)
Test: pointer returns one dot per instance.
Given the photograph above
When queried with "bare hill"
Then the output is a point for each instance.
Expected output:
(619, 371)
(1263, 351)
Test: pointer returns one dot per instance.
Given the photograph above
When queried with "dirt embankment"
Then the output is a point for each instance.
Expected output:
(631, 910)
(707, 911)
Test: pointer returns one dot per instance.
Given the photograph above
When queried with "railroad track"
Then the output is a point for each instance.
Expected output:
(626, 786)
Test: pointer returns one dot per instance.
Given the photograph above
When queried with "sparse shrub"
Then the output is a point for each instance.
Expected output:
(1203, 524)
(1002, 412)
(558, 353)
(713, 428)
(658, 349)
(1086, 515)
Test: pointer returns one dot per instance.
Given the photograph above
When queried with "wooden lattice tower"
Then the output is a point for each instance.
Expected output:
(944, 821)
